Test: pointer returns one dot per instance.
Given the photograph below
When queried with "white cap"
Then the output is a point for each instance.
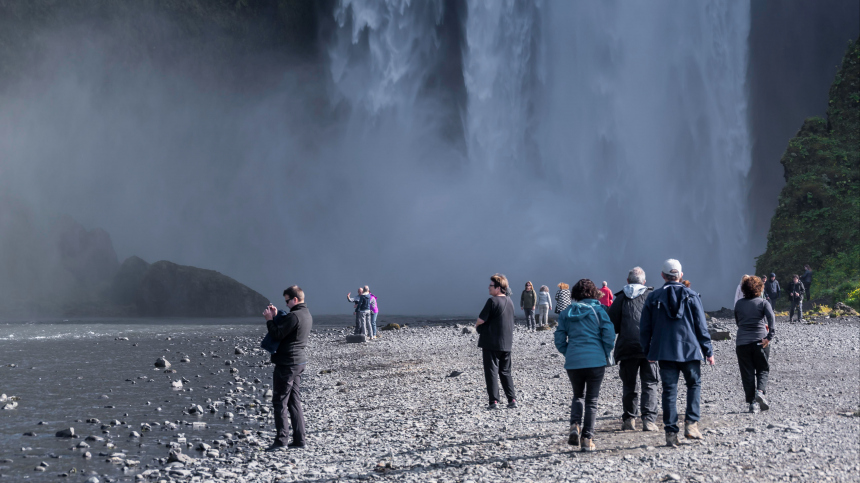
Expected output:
(672, 267)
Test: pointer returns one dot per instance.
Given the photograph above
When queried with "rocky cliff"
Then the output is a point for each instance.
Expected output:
(817, 221)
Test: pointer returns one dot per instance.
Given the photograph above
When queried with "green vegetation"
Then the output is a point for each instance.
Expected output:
(817, 221)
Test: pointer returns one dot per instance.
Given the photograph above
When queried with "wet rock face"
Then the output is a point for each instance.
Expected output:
(171, 290)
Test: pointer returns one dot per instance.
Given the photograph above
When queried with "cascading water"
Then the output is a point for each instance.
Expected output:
(598, 135)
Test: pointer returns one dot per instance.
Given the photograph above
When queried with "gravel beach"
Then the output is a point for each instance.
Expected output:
(390, 410)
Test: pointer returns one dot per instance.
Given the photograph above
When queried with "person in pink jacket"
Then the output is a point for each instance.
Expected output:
(374, 311)
(606, 297)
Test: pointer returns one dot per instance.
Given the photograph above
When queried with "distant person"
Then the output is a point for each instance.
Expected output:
(374, 311)
(763, 281)
(606, 295)
(544, 306)
(633, 366)
(739, 294)
(796, 291)
(585, 337)
(528, 302)
(673, 332)
(754, 317)
(291, 330)
(771, 289)
(562, 297)
(495, 326)
(362, 312)
(807, 281)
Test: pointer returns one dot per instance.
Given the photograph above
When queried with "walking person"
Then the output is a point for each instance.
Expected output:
(606, 296)
(796, 291)
(374, 311)
(562, 297)
(585, 337)
(528, 301)
(362, 312)
(544, 306)
(291, 331)
(495, 327)
(673, 332)
(771, 290)
(755, 320)
(807, 281)
(633, 366)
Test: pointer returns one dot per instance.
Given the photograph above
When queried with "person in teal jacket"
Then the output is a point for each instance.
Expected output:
(586, 337)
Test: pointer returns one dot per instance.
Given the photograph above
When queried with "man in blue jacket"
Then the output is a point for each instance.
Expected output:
(673, 331)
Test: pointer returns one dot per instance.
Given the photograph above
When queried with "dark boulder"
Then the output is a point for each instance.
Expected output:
(171, 290)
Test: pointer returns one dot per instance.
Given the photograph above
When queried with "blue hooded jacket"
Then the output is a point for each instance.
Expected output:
(673, 326)
(585, 340)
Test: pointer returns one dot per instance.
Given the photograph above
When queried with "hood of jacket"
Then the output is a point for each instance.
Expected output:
(577, 311)
(634, 290)
(671, 299)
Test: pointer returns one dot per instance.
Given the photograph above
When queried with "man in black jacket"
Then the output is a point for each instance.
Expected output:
(495, 326)
(291, 330)
(624, 314)
(771, 289)
(796, 291)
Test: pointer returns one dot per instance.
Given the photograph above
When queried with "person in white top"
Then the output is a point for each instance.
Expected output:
(544, 306)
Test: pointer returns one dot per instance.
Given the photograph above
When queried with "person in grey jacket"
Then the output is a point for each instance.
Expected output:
(755, 320)
(772, 289)
(796, 292)
(624, 313)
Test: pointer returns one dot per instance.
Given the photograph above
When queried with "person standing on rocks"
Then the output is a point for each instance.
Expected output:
(495, 327)
(754, 317)
(362, 312)
(796, 291)
(673, 332)
(605, 295)
(807, 281)
(562, 297)
(633, 366)
(374, 310)
(528, 302)
(771, 289)
(585, 337)
(291, 330)
(544, 306)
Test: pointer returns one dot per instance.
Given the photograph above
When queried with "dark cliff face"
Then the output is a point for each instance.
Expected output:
(817, 221)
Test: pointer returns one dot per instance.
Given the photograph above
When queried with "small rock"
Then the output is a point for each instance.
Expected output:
(82, 445)
(469, 330)
(162, 362)
(238, 351)
(66, 433)
(87, 455)
(455, 374)
(356, 338)
(134, 434)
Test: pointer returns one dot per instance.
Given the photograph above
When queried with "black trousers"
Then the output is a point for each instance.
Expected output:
(586, 390)
(754, 366)
(631, 371)
(287, 389)
(497, 365)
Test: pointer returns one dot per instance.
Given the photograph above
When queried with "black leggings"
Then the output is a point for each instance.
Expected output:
(586, 389)
(754, 366)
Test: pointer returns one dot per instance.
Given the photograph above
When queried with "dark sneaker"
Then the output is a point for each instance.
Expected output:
(649, 426)
(587, 445)
(276, 446)
(295, 445)
(573, 436)
(513, 404)
(762, 402)
(753, 409)
(628, 424)
(493, 405)
(671, 439)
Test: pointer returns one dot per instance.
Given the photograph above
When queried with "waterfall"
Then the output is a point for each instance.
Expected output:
(606, 134)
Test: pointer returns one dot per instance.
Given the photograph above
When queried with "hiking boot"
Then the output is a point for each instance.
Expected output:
(587, 445)
(691, 430)
(762, 402)
(276, 446)
(649, 426)
(573, 437)
(628, 424)
(493, 405)
(671, 439)
(753, 409)
(513, 404)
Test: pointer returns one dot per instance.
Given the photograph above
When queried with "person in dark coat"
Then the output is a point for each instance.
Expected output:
(807, 281)
(633, 366)
(291, 331)
(796, 291)
(495, 327)
(771, 289)
(755, 320)
(673, 331)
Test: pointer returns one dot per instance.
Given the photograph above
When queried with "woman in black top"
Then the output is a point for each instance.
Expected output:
(495, 326)
(754, 317)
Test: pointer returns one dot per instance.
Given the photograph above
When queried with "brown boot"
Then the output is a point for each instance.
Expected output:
(691, 430)
(649, 426)
(628, 424)
(573, 436)
(587, 445)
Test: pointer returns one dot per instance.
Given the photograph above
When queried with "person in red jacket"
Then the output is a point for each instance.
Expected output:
(606, 298)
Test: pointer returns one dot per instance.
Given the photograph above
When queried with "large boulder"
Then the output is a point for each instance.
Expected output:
(171, 290)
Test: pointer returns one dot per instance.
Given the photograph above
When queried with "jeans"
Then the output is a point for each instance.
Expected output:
(586, 389)
(530, 318)
(364, 323)
(798, 304)
(373, 322)
(497, 365)
(543, 315)
(286, 388)
(631, 371)
(754, 366)
(669, 373)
